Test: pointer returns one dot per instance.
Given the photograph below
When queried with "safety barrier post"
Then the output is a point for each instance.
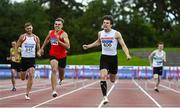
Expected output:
(177, 78)
(146, 75)
(146, 78)
(170, 76)
(93, 76)
(75, 75)
(138, 73)
(133, 73)
(83, 75)
(45, 72)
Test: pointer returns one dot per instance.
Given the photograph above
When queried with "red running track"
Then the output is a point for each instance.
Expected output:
(87, 93)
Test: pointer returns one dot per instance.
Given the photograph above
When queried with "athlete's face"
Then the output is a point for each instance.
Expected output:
(160, 46)
(13, 44)
(107, 25)
(58, 25)
(29, 29)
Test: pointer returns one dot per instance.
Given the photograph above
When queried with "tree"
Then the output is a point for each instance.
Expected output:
(13, 18)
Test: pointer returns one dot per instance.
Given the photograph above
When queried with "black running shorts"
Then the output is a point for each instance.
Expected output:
(110, 63)
(158, 70)
(27, 63)
(16, 66)
(61, 62)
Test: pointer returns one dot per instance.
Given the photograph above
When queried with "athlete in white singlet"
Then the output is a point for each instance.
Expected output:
(108, 38)
(28, 42)
(156, 59)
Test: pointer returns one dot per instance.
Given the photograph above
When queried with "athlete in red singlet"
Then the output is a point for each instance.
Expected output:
(57, 50)
(59, 44)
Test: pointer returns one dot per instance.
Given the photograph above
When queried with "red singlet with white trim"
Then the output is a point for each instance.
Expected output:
(56, 49)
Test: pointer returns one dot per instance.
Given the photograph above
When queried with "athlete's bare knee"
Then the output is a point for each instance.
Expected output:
(103, 77)
(54, 70)
(31, 75)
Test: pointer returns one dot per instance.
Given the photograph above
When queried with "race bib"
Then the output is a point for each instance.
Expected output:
(107, 43)
(13, 58)
(54, 41)
(29, 47)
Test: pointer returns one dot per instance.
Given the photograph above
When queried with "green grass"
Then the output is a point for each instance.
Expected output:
(151, 49)
(93, 58)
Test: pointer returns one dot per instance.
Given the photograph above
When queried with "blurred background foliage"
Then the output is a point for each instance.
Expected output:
(142, 23)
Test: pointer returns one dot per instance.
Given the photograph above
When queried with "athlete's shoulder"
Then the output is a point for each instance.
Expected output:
(51, 31)
(65, 33)
(155, 51)
(117, 34)
(22, 37)
(35, 36)
(11, 49)
(100, 32)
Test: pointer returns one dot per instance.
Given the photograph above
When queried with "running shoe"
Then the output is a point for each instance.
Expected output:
(13, 89)
(59, 82)
(105, 100)
(156, 90)
(54, 94)
(27, 97)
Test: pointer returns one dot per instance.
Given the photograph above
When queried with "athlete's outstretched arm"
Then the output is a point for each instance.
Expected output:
(94, 44)
(123, 45)
(66, 43)
(18, 44)
(150, 57)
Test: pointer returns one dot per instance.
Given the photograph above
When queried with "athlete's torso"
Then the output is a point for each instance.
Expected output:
(158, 58)
(56, 49)
(108, 42)
(13, 59)
(29, 46)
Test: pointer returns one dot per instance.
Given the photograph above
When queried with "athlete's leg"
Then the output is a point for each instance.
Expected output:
(112, 77)
(158, 81)
(54, 69)
(61, 65)
(103, 83)
(61, 74)
(23, 74)
(30, 80)
(13, 74)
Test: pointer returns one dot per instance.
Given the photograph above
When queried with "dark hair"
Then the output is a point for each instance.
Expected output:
(108, 17)
(160, 43)
(60, 19)
(27, 24)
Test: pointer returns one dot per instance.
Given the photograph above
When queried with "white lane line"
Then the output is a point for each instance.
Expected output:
(159, 106)
(112, 87)
(170, 88)
(20, 83)
(43, 89)
(24, 86)
(167, 88)
(64, 94)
